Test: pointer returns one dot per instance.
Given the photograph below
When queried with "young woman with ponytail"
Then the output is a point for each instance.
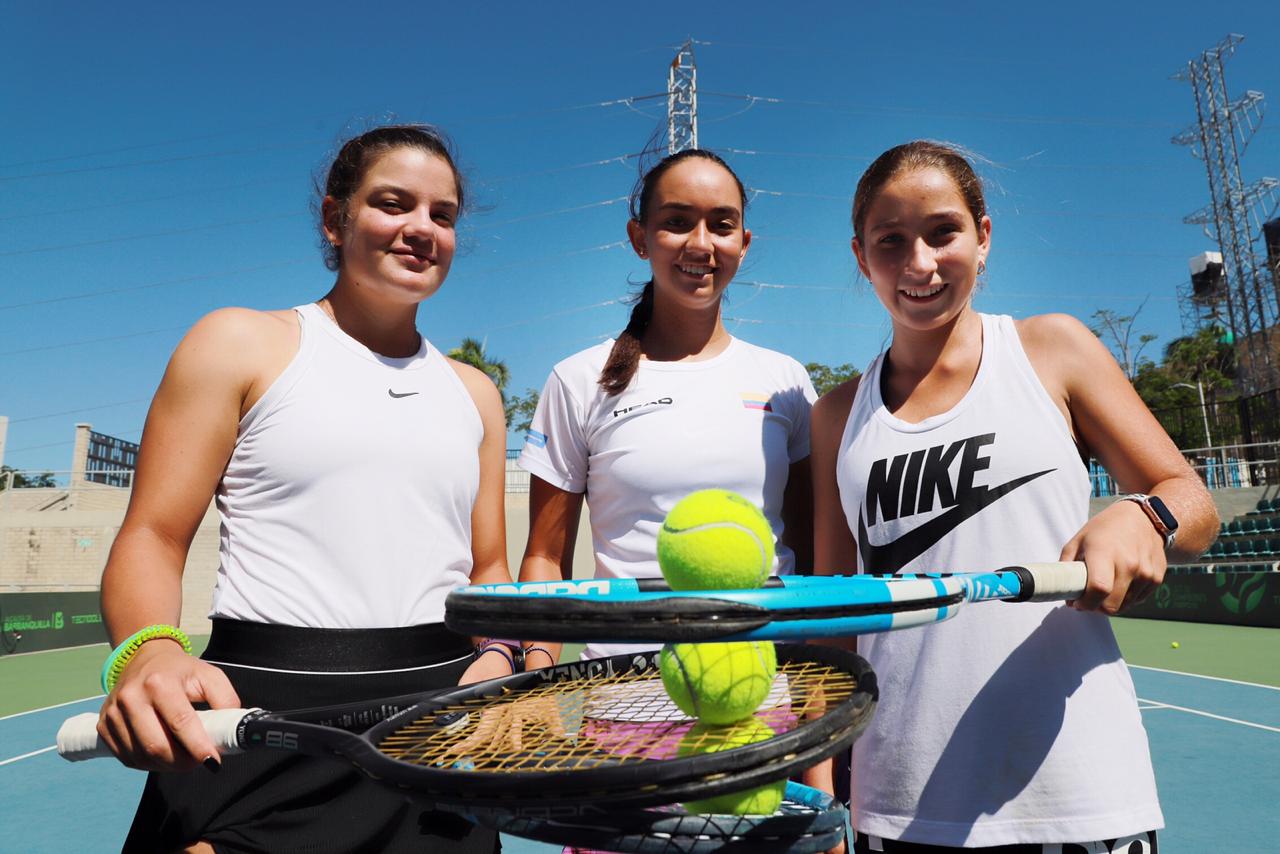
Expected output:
(675, 404)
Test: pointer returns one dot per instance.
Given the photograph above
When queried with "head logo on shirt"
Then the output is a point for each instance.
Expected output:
(662, 401)
(533, 437)
(908, 483)
(756, 400)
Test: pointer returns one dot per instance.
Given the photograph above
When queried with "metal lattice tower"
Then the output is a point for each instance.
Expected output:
(1247, 302)
(682, 101)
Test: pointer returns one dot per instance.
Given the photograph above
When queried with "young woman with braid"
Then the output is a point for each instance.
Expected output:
(358, 474)
(962, 447)
(675, 404)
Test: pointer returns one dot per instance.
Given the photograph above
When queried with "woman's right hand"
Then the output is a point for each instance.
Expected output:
(148, 719)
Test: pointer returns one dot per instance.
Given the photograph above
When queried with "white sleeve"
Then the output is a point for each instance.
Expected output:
(799, 402)
(555, 448)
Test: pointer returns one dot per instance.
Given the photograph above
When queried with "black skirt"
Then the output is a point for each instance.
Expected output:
(276, 802)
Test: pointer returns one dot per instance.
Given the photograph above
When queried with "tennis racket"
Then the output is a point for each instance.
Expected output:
(786, 608)
(570, 737)
(808, 821)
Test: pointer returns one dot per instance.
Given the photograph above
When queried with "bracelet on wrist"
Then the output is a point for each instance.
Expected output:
(541, 649)
(124, 653)
(511, 650)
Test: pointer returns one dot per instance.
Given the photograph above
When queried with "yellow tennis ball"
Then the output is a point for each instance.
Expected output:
(706, 738)
(715, 539)
(1174, 644)
(718, 683)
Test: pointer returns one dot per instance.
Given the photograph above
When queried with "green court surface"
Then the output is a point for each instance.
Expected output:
(1243, 653)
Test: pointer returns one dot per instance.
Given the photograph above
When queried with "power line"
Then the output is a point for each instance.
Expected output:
(863, 109)
(81, 342)
(184, 158)
(161, 284)
(545, 214)
(185, 194)
(81, 409)
(129, 237)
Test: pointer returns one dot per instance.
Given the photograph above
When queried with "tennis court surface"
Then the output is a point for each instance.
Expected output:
(1211, 709)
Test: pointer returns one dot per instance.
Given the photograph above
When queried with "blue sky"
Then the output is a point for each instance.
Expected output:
(157, 164)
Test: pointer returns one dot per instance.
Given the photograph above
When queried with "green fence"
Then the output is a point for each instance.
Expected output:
(1233, 598)
(36, 621)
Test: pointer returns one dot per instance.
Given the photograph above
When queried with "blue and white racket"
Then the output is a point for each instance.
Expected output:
(786, 608)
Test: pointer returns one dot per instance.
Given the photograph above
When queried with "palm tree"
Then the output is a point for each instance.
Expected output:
(471, 352)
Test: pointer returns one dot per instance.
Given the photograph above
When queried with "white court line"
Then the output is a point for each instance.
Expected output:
(1202, 676)
(47, 708)
(1157, 705)
(29, 755)
(58, 649)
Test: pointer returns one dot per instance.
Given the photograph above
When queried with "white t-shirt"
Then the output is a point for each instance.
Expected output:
(735, 421)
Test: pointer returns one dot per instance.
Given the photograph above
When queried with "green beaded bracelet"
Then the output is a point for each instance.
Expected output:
(124, 653)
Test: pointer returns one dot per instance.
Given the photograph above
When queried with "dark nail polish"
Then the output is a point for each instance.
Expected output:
(212, 764)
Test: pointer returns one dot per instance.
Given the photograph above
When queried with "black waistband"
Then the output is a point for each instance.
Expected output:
(332, 650)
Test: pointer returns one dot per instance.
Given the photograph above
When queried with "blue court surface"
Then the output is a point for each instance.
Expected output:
(1216, 745)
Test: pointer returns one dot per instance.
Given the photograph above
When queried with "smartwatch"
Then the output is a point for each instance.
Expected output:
(1161, 519)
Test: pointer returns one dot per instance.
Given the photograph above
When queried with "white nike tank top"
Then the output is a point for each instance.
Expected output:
(1010, 723)
(347, 500)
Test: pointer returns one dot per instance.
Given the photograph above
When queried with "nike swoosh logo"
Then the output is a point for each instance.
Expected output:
(894, 555)
(405, 394)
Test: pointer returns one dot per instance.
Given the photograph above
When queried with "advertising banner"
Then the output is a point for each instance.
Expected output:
(36, 621)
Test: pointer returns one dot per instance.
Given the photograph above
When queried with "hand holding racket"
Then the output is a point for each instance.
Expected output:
(614, 746)
(786, 608)
(148, 716)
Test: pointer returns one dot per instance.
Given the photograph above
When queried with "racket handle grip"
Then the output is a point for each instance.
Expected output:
(78, 736)
(1057, 582)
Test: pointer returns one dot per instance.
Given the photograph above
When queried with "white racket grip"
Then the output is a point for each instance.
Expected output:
(78, 736)
(1058, 582)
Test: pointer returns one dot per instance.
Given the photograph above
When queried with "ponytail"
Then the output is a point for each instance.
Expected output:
(624, 358)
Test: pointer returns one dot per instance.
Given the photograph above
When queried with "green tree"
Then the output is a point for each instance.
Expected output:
(825, 377)
(471, 352)
(1203, 361)
(1117, 332)
(23, 480)
(520, 409)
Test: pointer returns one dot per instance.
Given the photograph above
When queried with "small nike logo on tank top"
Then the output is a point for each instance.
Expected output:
(401, 394)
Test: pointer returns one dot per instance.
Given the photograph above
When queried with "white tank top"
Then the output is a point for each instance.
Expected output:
(347, 500)
(1010, 723)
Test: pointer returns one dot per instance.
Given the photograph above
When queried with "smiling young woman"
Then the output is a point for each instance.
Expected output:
(358, 474)
(961, 448)
(675, 404)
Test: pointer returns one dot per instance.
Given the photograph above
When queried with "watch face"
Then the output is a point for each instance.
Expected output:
(1163, 512)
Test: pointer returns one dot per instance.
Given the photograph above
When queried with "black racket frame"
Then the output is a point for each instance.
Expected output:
(621, 786)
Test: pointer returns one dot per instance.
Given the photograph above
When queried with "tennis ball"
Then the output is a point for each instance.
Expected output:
(715, 539)
(1174, 644)
(705, 738)
(718, 683)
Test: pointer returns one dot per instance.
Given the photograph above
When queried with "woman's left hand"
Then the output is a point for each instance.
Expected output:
(1124, 555)
(491, 665)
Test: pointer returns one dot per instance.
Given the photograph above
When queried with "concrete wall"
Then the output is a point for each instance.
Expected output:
(62, 548)
(56, 539)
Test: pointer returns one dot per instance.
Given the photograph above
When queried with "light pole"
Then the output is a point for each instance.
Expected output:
(1204, 414)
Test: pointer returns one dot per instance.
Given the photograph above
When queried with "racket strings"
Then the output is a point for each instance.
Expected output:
(590, 722)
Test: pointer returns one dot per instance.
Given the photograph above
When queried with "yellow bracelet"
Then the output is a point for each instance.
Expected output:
(124, 653)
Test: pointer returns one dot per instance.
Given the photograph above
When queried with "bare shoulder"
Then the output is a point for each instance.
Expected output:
(239, 351)
(835, 404)
(243, 328)
(478, 385)
(1053, 330)
(1063, 350)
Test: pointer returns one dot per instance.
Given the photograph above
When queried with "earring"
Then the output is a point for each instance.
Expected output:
(982, 267)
